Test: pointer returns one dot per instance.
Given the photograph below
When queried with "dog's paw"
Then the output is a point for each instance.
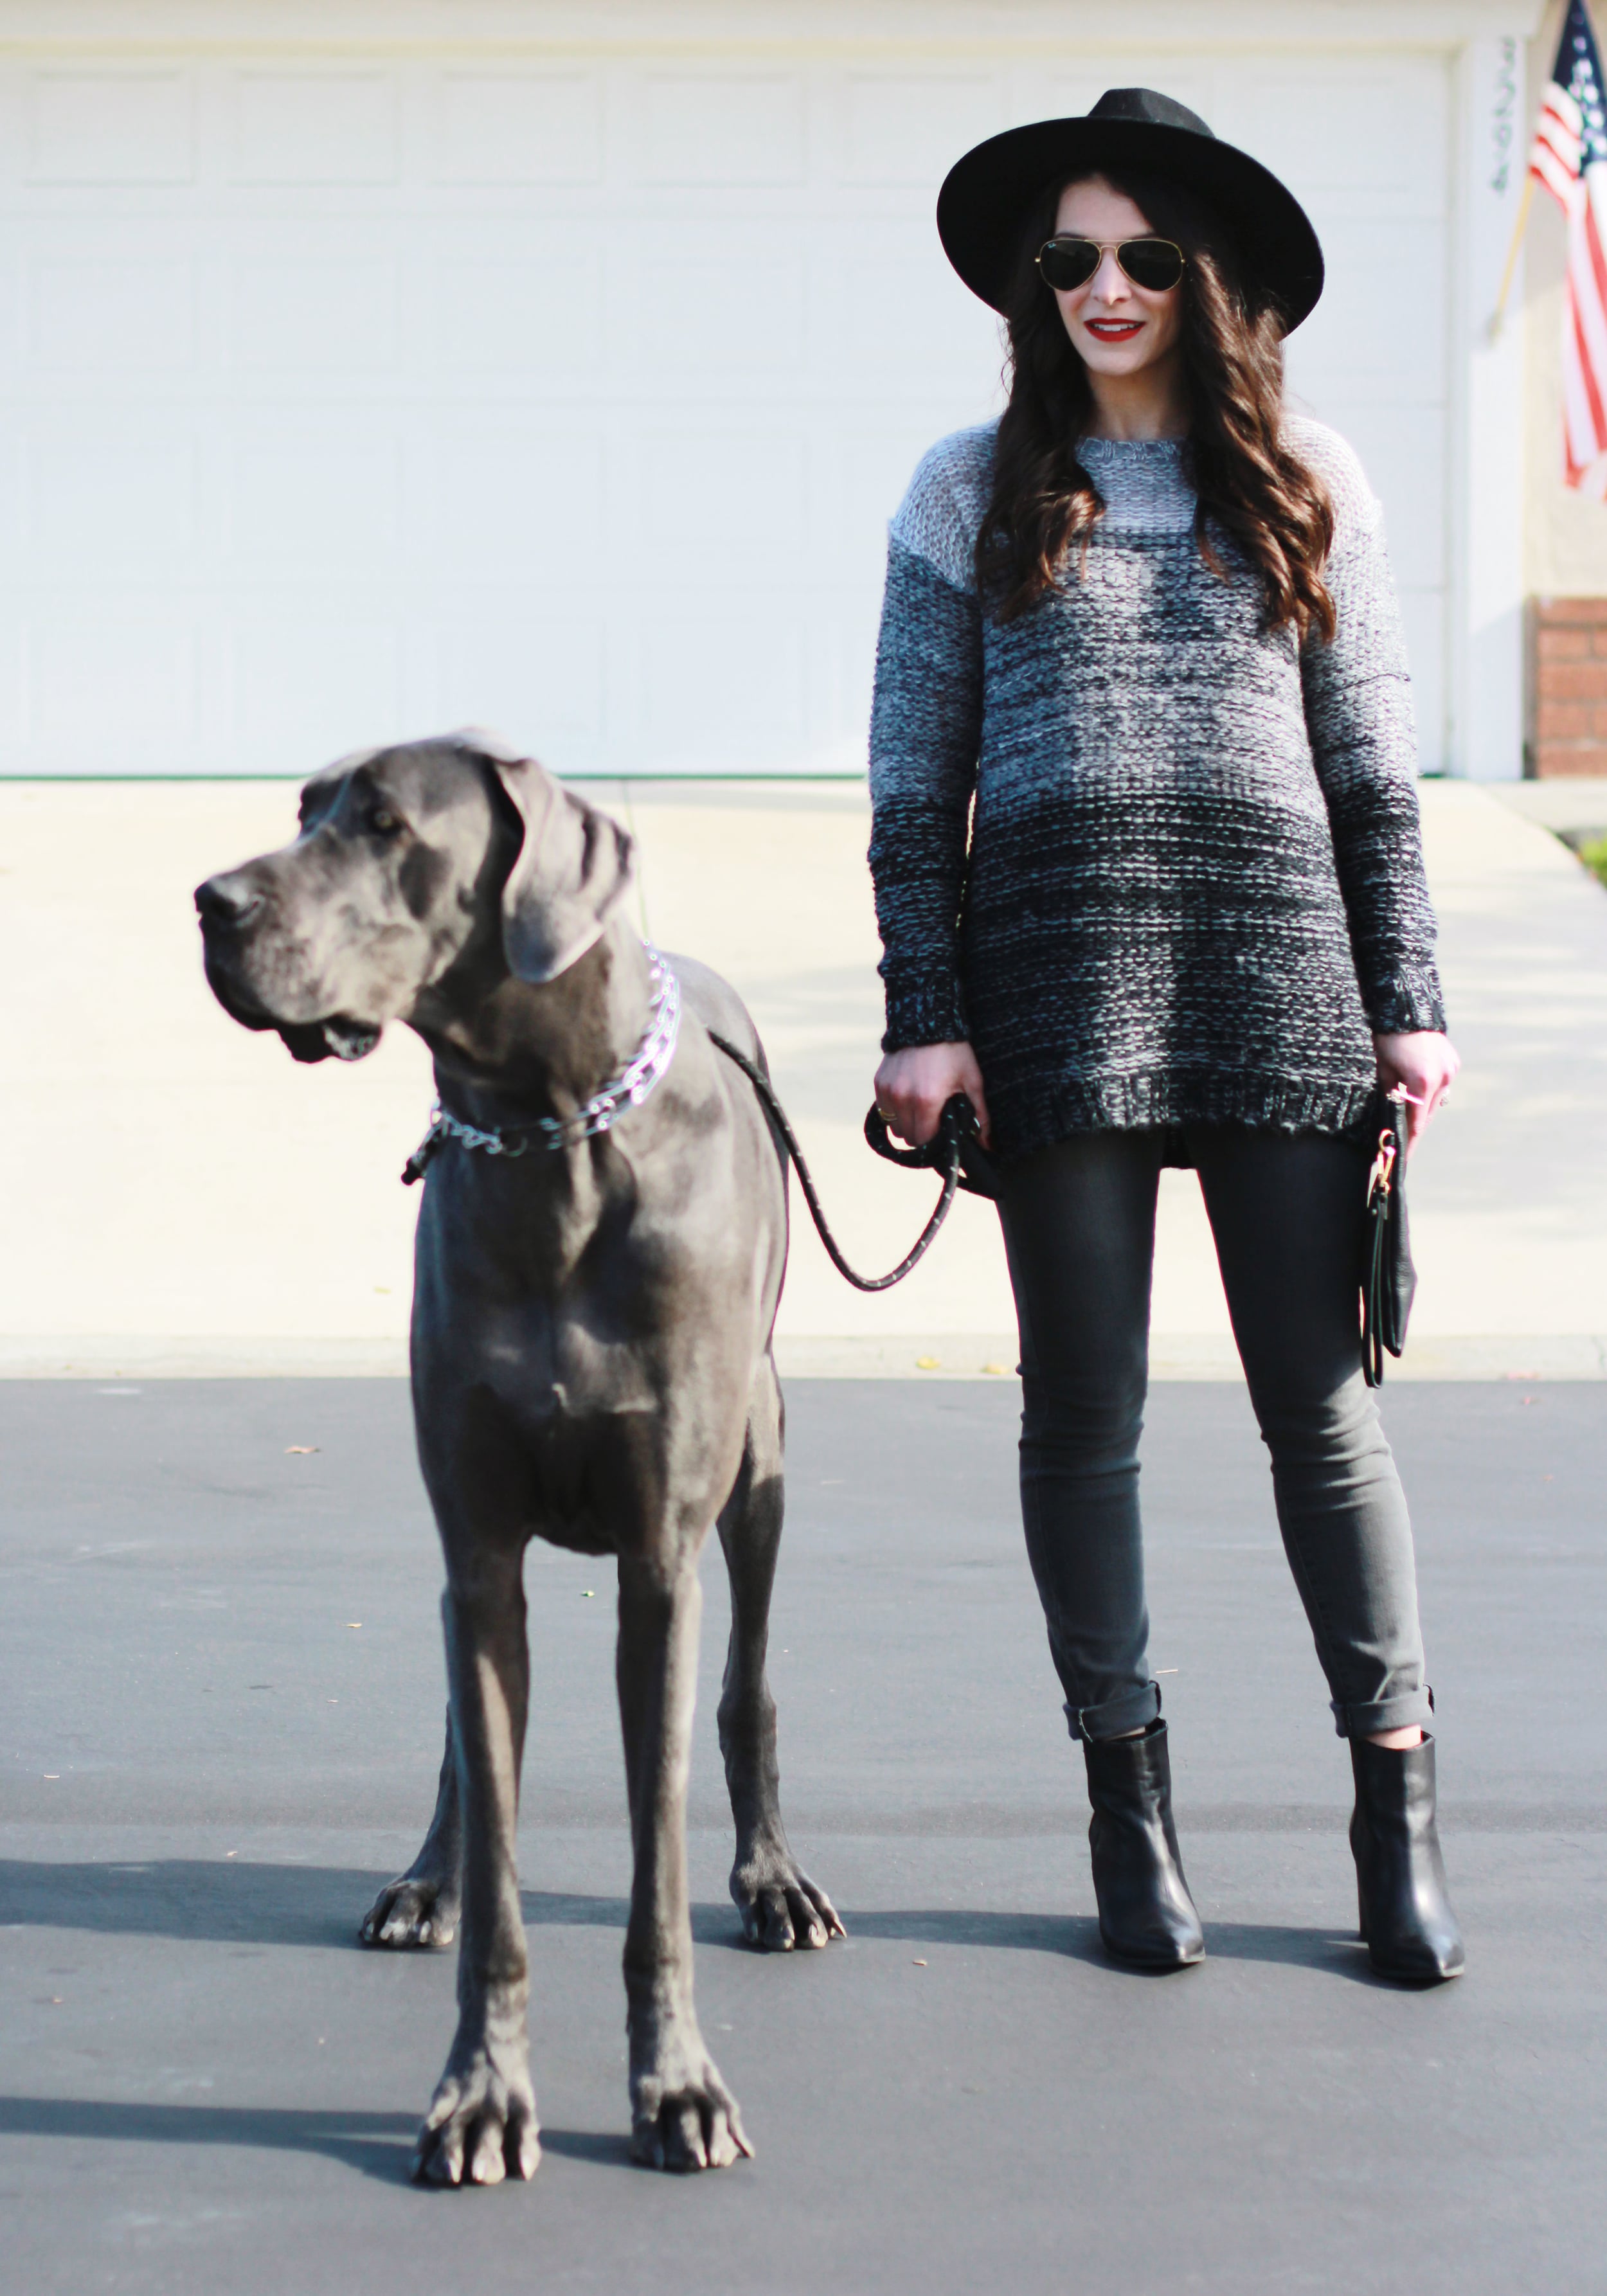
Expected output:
(410, 1912)
(480, 2128)
(782, 1909)
(692, 2124)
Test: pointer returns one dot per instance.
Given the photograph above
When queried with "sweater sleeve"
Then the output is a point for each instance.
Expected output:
(926, 725)
(1358, 714)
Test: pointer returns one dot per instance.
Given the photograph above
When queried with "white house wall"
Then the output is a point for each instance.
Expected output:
(353, 394)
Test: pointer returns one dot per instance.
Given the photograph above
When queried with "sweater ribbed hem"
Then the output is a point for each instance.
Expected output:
(1038, 1114)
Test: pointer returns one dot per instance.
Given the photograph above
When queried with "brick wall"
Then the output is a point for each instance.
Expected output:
(1567, 687)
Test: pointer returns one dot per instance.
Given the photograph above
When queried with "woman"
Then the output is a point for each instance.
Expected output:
(1145, 625)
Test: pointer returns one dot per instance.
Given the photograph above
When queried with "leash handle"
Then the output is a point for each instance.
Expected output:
(949, 1136)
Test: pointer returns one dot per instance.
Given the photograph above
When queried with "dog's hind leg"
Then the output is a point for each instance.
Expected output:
(683, 2115)
(420, 1906)
(781, 1907)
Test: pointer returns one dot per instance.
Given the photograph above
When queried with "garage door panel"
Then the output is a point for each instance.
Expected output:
(309, 506)
(719, 129)
(725, 687)
(705, 497)
(908, 129)
(89, 315)
(517, 128)
(318, 126)
(1373, 330)
(305, 688)
(288, 315)
(128, 505)
(535, 319)
(894, 316)
(109, 689)
(733, 314)
(521, 504)
(108, 126)
(1349, 140)
(535, 674)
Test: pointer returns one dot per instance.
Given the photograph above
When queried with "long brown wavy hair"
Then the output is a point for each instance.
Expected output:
(1252, 489)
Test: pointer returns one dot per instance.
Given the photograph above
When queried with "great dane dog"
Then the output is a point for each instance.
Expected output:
(591, 1361)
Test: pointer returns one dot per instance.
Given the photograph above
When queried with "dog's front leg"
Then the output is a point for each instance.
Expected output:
(482, 2124)
(683, 2115)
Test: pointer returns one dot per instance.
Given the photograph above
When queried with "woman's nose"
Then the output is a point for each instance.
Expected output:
(1110, 282)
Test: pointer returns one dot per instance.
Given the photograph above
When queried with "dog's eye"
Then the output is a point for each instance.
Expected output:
(384, 823)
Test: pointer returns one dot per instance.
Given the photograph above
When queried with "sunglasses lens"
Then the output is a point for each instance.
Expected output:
(1154, 264)
(1067, 264)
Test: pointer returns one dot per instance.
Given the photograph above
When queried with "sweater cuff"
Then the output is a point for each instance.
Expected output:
(924, 1012)
(1405, 1000)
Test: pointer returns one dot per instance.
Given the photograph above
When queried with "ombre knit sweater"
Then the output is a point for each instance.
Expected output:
(1191, 886)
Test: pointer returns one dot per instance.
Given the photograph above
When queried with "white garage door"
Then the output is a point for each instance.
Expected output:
(353, 398)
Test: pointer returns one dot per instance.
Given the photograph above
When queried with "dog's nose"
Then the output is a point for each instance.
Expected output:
(227, 900)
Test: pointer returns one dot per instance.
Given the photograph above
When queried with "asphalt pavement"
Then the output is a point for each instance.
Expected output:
(220, 1700)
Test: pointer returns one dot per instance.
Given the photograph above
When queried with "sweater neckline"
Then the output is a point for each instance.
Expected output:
(1172, 447)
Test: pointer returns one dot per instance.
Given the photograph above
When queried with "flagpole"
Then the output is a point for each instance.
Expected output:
(1512, 257)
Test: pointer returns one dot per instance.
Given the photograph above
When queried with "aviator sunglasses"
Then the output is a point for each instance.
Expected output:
(1153, 264)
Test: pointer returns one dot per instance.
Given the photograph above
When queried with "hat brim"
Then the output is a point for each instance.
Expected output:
(985, 197)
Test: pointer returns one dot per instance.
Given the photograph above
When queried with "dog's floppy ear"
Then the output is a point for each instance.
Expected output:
(573, 865)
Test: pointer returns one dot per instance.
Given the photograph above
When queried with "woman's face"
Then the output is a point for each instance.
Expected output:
(1116, 329)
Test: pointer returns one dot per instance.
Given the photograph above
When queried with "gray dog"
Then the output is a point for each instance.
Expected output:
(591, 1356)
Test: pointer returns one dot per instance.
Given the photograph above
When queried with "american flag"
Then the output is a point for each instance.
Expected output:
(1569, 158)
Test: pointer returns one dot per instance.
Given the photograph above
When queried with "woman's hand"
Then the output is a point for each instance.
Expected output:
(1422, 1066)
(913, 1087)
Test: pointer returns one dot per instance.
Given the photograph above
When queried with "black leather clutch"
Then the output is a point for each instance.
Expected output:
(1388, 1279)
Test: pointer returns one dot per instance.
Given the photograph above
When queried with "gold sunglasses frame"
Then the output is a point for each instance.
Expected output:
(1113, 247)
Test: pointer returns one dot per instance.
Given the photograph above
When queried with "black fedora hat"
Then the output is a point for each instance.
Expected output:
(987, 195)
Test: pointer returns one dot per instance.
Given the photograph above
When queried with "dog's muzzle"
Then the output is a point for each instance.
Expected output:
(227, 906)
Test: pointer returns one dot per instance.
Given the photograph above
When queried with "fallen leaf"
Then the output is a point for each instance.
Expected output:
(354, 1625)
(920, 1964)
(993, 1371)
(585, 1593)
(928, 1363)
(299, 1450)
(50, 1774)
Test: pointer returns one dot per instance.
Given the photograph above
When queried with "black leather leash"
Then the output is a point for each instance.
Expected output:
(955, 1151)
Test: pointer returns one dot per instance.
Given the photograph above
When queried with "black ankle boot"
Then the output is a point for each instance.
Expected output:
(1146, 1916)
(1406, 1921)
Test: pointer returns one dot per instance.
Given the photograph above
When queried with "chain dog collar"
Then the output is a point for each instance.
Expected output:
(636, 1080)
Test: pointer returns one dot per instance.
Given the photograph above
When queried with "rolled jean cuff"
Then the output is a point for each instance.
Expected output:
(1397, 1713)
(1132, 1710)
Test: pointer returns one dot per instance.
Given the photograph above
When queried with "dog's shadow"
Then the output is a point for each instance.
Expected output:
(240, 1902)
(377, 2145)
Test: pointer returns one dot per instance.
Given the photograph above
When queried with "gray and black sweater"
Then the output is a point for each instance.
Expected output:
(1193, 885)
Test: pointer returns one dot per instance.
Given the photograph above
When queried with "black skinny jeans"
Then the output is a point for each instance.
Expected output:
(1286, 1214)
